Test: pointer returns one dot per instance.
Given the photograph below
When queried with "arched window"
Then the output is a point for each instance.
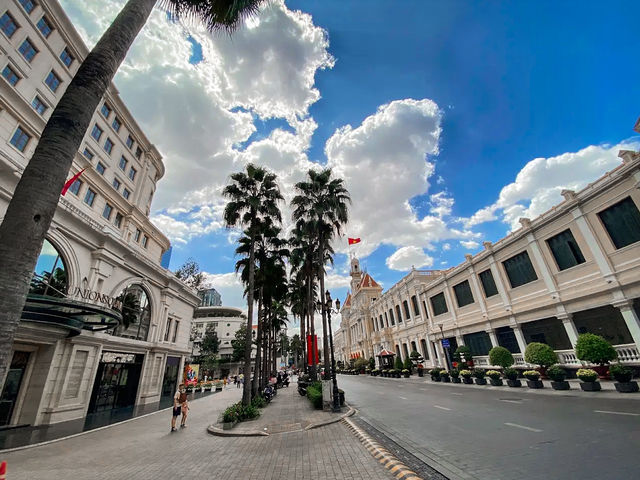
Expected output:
(50, 276)
(136, 313)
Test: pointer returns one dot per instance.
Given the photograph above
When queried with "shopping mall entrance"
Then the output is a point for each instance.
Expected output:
(169, 381)
(12, 385)
(116, 383)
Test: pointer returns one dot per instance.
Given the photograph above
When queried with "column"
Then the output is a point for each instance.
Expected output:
(632, 320)
(439, 354)
(517, 331)
(570, 327)
(493, 337)
(433, 357)
(460, 340)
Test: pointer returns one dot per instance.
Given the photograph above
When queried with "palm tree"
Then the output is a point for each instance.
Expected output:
(322, 204)
(254, 197)
(36, 196)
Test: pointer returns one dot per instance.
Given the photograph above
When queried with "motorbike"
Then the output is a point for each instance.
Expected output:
(268, 393)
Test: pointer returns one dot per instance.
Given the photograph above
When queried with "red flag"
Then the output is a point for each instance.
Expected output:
(70, 182)
(353, 241)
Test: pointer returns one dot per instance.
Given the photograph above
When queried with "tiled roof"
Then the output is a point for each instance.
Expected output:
(385, 353)
(368, 282)
(347, 302)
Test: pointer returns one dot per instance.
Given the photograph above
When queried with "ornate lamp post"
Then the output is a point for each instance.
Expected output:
(336, 394)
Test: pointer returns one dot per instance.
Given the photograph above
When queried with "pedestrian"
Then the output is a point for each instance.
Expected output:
(224, 382)
(179, 399)
(235, 380)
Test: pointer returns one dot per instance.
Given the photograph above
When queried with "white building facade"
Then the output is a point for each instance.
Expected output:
(572, 270)
(102, 253)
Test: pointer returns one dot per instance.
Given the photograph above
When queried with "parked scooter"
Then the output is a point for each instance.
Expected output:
(268, 393)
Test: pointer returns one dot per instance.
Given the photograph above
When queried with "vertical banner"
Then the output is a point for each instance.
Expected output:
(312, 350)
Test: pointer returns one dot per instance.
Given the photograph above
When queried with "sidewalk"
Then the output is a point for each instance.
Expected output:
(608, 389)
(145, 449)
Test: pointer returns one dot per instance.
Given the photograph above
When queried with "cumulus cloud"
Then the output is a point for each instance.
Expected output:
(230, 288)
(441, 204)
(407, 257)
(469, 244)
(537, 186)
(446, 246)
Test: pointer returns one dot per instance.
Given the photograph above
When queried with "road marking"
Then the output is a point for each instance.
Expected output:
(441, 408)
(510, 401)
(401, 397)
(523, 427)
(618, 413)
(424, 389)
(453, 393)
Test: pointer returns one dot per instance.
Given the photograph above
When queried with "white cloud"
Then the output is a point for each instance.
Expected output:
(441, 204)
(230, 288)
(446, 246)
(407, 257)
(469, 244)
(538, 185)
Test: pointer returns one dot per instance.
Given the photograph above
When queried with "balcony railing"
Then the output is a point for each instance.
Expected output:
(627, 354)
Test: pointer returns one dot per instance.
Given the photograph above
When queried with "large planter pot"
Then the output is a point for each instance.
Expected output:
(563, 385)
(543, 372)
(602, 371)
(436, 379)
(626, 387)
(590, 386)
(481, 381)
(496, 382)
(456, 380)
(535, 384)
(420, 373)
(514, 383)
(446, 379)
(406, 375)
(467, 381)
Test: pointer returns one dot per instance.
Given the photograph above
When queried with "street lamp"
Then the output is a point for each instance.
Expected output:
(336, 400)
(444, 349)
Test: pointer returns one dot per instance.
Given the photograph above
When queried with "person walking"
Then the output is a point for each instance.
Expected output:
(179, 399)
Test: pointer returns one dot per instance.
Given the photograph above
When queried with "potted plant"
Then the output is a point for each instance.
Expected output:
(420, 370)
(466, 377)
(595, 349)
(463, 357)
(444, 375)
(372, 363)
(500, 357)
(406, 373)
(589, 379)
(398, 365)
(455, 375)
(557, 376)
(623, 375)
(479, 375)
(511, 374)
(494, 378)
(435, 374)
(533, 379)
(540, 354)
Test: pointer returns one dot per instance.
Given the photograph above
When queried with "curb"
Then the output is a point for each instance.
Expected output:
(333, 420)
(386, 458)
(230, 433)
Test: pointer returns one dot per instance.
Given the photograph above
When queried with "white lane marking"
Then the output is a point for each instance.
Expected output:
(424, 389)
(523, 427)
(453, 393)
(510, 401)
(441, 408)
(401, 397)
(618, 413)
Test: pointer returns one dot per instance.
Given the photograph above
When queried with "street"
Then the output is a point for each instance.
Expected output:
(484, 433)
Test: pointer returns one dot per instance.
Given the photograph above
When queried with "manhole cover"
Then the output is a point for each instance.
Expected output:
(283, 427)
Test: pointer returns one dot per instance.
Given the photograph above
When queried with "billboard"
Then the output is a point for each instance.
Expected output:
(190, 375)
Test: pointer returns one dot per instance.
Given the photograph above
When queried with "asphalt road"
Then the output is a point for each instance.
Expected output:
(472, 432)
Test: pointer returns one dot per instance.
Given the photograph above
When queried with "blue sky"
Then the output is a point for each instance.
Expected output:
(481, 112)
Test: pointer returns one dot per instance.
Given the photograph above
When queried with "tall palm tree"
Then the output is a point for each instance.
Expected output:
(36, 196)
(322, 203)
(253, 200)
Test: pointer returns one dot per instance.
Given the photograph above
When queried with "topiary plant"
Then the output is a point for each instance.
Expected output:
(372, 363)
(463, 349)
(361, 363)
(501, 357)
(556, 373)
(621, 373)
(540, 354)
(510, 373)
(479, 373)
(408, 365)
(595, 349)
(398, 365)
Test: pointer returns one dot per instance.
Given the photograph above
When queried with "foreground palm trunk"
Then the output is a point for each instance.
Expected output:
(246, 391)
(36, 196)
(256, 372)
(325, 342)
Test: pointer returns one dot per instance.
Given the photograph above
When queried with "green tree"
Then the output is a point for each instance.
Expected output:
(398, 365)
(322, 205)
(35, 198)
(408, 364)
(540, 354)
(501, 357)
(190, 274)
(296, 349)
(239, 344)
(595, 349)
(210, 343)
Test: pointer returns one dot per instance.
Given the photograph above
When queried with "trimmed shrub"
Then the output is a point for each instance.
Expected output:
(587, 375)
(621, 373)
(510, 373)
(556, 373)
(540, 354)
(408, 364)
(360, 363)
(258, 402)
(314, 394)
(454, 373)
(372, 363)
(494, 374)
(531, 375)
(595, 349)
(238, 412)
(398, 365)
(434, 372)
(479, 373)
(501, 357)
(466, 351)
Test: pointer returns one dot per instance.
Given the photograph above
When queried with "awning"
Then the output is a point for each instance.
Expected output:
(385, 353)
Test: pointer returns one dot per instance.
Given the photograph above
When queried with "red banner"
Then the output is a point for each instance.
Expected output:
(312, 350)
(353, 241)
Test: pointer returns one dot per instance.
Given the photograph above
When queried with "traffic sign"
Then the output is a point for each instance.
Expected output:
(445, 343)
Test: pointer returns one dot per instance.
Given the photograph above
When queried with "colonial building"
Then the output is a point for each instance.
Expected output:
(573, 269)
(106, 327)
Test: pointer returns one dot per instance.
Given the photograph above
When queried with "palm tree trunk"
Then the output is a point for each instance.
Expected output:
(325, 341)
(312, 328)
(256, 373)
(246, 391)
(31, 210)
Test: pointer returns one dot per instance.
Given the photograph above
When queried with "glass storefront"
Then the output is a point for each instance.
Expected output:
(170, 380)
(12, 385)
(116, 383)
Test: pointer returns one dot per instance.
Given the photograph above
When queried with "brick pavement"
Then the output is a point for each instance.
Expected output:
(144, 449)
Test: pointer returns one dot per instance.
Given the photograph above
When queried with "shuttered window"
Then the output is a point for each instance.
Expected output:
(519, 270)
(439, 304)
(488, 285)
(622, 222)
(463, 293)
(565, 250)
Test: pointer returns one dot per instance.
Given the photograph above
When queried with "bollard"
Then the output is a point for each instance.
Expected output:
(3, 470)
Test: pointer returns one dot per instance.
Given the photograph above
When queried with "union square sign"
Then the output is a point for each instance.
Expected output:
(96, 297)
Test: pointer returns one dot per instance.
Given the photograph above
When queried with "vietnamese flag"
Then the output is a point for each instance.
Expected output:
(353, 241)
(70, 182)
